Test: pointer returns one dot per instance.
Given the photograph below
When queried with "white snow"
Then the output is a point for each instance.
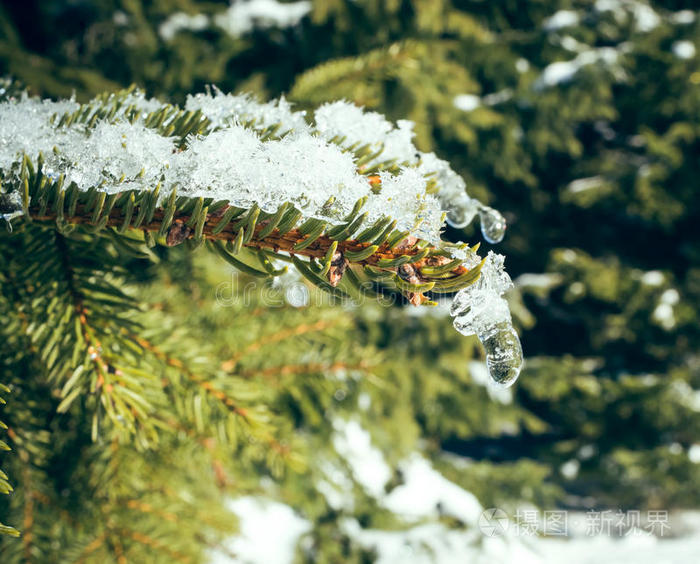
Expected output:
(644, 16)
(683, 49)
(110, 151)
(231, 163)
(427, 493)
(652, 278)
(564, 71)
(226, 109)
(269, 532)
(26, 128)
(424, 493)
(584, 184)
(481, 304)
(561, 19)
(242, 16)
(683, 17)
(570, 469)
(360, 127)
(522, 65)
(663, 313)
(366, 461)
(466, 102)
(179, 21)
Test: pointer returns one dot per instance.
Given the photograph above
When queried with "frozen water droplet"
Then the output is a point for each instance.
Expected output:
(461, 211)
(504, 354)
(493, 224)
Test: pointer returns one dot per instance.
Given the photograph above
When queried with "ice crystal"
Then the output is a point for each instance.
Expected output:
(120, 156)
(26, 128)
(225, 109)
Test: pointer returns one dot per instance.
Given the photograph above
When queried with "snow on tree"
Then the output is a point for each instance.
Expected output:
(354, 213)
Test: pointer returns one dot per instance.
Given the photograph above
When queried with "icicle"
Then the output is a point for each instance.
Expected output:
(481, 310)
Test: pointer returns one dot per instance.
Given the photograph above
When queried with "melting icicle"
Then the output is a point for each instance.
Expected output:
(493, 224)
(481, 310)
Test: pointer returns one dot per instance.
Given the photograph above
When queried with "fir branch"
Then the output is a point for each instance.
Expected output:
(387, 253)
(306, 368)
(302, 329)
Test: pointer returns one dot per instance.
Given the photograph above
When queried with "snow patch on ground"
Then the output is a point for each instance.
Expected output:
(269, 532)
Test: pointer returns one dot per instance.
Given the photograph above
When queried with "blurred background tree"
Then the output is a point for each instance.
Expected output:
(579, 120)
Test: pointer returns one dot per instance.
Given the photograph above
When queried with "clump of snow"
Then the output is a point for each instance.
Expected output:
(584, 184)
(564, 71)
(403, 196)
(242, 16)
(560, 20)
(652, 278)
(683, 49)
(683, 17)
(179, 21)
(226, 109)
(233, 164)
(113, 151)
(358, 127)
(643, 15)
(26, 128)
(663, 312)
(522, 65)
(466, 102)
